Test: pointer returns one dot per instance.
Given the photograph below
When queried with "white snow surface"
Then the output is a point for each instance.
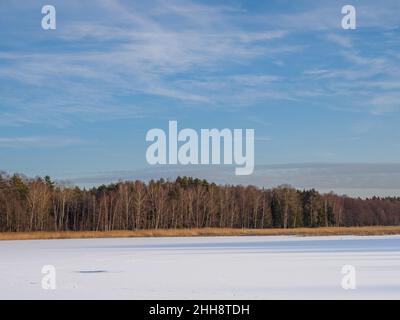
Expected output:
(254, 267)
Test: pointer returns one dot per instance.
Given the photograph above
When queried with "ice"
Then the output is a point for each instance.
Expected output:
(202, 268)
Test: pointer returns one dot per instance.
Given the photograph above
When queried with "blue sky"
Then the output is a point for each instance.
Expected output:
(77, 101)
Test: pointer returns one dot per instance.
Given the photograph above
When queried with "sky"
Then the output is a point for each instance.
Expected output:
(76, 102)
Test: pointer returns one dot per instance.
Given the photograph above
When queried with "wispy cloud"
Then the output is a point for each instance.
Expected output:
(290, 66)
(343, 41)
(38, 142)
(139, 51)
(136, 51)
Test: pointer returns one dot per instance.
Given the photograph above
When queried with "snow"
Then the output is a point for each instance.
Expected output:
(202, 268)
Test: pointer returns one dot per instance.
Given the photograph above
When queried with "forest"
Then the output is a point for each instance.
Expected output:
(40, 204)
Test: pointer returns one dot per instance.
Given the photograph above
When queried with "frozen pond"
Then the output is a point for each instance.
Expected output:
(202, 268)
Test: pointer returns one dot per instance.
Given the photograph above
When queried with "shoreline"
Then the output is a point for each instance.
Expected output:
(202, 232)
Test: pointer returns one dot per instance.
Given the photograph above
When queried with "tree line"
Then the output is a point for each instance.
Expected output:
(40, 204)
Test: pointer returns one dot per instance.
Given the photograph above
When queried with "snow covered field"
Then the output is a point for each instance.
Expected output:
(197, 268)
